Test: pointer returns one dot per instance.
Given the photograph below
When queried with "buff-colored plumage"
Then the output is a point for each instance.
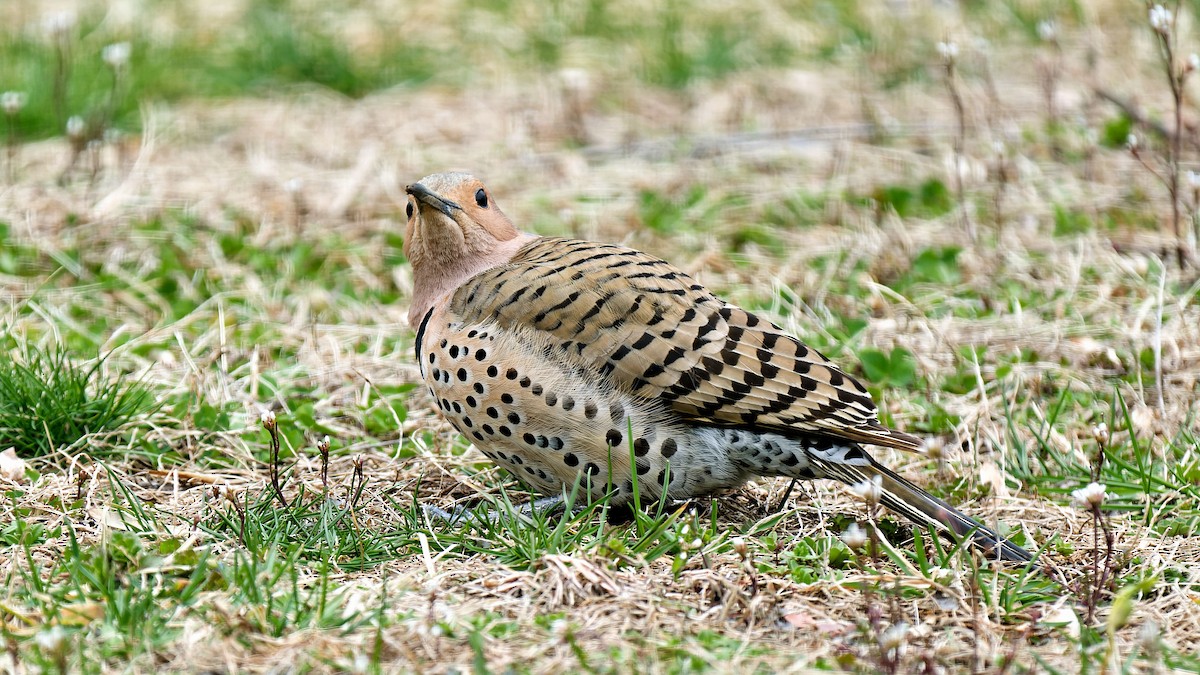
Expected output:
(565, 360)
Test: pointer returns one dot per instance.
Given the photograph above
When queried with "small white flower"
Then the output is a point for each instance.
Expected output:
(855, 537)
(52, 641)
(574, 79)
(893, 638)
(1131, 142)
(739, 547)
(935, 447)
(1047, 31)
(1161, 19)
(1148, 636)
(75, 127)
(869, 490)
(947, 50)
(681, 558)
(12, 102)
(268, 419)
(1100, 431)
(58, 24)
(117, 54)
(1090, 496)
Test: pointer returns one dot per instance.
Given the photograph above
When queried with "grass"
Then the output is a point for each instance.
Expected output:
(244, 255)
(49, 403)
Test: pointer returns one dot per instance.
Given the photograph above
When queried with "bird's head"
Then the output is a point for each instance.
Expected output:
(452, 217)
(454, 232)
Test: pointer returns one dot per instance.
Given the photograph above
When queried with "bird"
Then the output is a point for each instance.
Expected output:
(576, 363)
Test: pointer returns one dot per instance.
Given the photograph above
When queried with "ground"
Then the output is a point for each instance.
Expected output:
(1004, 271)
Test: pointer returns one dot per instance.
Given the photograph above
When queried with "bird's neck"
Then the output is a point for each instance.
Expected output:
(435, 280)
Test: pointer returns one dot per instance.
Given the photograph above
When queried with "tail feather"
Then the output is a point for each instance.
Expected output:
(901, 496)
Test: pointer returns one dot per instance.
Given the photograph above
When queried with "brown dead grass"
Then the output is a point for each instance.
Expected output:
(762, 135)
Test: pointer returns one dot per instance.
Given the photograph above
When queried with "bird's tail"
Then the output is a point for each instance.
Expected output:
(901, 496)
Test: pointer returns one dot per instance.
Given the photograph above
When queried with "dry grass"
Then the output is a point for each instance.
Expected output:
(307, 319)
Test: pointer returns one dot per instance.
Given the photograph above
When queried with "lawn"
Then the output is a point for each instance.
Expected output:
(220, 457)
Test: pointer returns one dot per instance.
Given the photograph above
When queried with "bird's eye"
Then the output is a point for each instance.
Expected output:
(409, 209)
(481, 198)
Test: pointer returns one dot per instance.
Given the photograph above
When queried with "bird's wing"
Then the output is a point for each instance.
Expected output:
(655, 333)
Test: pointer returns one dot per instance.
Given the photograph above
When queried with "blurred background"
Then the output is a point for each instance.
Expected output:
(987, 209)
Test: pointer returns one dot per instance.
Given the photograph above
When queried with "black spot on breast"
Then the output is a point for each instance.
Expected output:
(506, 398)
(487, 429)
(591, 469)
(481, 355)
(570, 459)
(478, 436)
(512, 374)
(528, 438)
(791, 460)
(505, 431)
(668, 447)
(556, 443)
(551, 399)
(514, 418)
(454, 351)
(589, 409)
(493, 371)
(479, 388)
(542, 441)
(568, 403)
(492, 413)
(643, 468)
(525, 382)
(445, 342)
(467, 421)
(437, 373)
(536, 390)
(529, 470)
(456, 406)
(641, 446)
(613, 437)
(462, 374)
(432, 358)
(616, 412)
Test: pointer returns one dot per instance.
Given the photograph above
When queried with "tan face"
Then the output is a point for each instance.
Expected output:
(452, 216)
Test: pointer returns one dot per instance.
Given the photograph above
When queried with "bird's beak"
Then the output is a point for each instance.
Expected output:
(423, 194)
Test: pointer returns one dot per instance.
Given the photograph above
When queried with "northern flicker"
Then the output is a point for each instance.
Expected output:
(572, 362)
